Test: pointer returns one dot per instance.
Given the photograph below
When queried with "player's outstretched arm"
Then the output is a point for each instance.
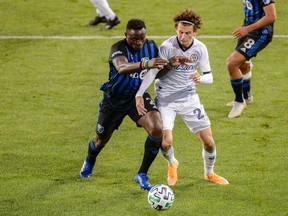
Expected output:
(174, 61)
(146, 82)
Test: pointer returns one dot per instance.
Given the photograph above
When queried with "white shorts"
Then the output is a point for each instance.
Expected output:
(191, 111)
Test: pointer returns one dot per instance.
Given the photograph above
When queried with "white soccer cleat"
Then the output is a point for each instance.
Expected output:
(248, 101)
(237, 109)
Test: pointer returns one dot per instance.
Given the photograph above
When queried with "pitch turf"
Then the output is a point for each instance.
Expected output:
(49, 95)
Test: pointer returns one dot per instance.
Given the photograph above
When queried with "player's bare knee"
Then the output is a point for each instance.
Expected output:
(209, 145)
(166, 144)
(156, 132)
(100, 142)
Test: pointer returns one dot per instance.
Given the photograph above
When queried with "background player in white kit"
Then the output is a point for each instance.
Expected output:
(104, 15)
(176, 93)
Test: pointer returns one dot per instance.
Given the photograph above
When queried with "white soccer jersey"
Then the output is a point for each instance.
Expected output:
(176, 85)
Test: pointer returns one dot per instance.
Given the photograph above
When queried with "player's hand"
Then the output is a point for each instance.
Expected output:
(179, 60)
(157, 63)
(195, 77)
(240, 32)
(140, 105)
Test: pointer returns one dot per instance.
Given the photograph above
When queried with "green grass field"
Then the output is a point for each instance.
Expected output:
(49, 95)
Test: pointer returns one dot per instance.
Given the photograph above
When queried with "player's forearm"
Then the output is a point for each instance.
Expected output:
(128, 68)
(206, 79)
(269, 18)
(147, 81)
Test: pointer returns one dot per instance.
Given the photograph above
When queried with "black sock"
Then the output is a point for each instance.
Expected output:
(237, 86)
(92, 152)
(246, 89)
(152, 146)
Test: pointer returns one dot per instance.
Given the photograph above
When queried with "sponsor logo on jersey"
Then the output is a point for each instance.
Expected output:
(139, 75)
(191, 67)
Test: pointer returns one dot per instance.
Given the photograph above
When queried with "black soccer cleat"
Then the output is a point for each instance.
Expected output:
(111, 23)
(97, 20)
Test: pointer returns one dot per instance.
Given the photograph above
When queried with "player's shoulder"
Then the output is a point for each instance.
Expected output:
(119, 43)
(198, 43)
(267, 2)
(118, 49)
(170, 42)
(149, 41)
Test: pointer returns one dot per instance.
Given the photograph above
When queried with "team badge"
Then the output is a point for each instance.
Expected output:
(100, 128)
(249, 5)
(174, 52)
(194, 57)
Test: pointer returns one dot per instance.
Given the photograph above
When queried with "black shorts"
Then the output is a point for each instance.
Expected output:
(109, 120)
(253, 43)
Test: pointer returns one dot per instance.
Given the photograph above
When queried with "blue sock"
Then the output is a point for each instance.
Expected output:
(92, 152)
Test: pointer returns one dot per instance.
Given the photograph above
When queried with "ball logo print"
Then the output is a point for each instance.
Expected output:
(160, 197)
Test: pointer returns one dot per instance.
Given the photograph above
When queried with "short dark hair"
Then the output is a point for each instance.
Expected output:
(135, 24)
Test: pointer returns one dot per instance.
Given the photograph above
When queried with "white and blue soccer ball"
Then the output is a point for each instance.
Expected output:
(160, 197)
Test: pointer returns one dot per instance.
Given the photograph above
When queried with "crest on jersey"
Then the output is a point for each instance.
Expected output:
(174, 52)
(249, 5)
(194, 57)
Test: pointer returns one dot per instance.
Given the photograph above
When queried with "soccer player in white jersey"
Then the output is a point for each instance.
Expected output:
(104, 15)
(176, 93)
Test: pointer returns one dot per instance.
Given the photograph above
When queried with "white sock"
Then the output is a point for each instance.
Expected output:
(169, 154)
(209, 161)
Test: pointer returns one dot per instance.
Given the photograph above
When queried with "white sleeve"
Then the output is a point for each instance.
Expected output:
(204, 63)
(206, 78)
(147, 81)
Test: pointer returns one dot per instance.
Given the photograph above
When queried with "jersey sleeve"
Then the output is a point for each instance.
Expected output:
(147, 81)
(267, 2)
(117, 50)
(164, 51)
(204, 63)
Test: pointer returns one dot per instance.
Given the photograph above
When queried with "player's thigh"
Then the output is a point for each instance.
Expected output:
(194, 115)
(168, 115)
(151, 121)
(107, 121)
(250, 45)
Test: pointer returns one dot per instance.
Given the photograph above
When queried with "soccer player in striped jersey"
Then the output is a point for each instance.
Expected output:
(176, 93)
(253, 36)
(129, 61)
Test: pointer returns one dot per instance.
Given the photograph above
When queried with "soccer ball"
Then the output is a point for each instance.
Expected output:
(160, 197)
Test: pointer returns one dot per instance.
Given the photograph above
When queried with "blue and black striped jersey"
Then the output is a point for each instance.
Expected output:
(253, 10)
(120, 89)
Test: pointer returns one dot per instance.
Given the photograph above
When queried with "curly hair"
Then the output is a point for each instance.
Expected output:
(189, 16)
